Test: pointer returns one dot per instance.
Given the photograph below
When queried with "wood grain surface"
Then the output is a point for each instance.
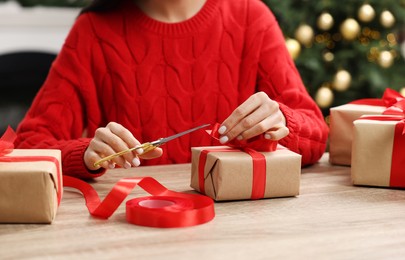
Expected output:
(330, 219)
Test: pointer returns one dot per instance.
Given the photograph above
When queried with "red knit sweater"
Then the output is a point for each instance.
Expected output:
(157, 79)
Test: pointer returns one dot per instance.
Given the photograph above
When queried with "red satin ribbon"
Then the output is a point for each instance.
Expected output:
(397, 177)
(164, 209)
(6, 147)
(392, 100)
(7, 141)
(251, 147)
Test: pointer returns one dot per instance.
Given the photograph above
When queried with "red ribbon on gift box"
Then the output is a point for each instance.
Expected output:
(397, 177)
(392, 100)
(7, 146)
(251, 147)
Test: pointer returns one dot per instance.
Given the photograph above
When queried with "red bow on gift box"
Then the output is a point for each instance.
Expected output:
(251, 147)
(7, 146)
(392, 100)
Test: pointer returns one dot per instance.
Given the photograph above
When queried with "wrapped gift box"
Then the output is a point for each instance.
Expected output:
(30, 186)
(228, 175)
(341, 130)
(378, 157)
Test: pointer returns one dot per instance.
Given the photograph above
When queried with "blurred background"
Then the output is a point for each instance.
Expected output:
(345, 50)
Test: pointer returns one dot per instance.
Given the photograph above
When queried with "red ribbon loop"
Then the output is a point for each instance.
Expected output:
(391, 97)
(257, 143)
(251, 147)
(165, 208)
(392, 100)
(7, 141)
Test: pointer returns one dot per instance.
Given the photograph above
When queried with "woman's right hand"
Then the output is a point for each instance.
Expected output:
(112, 139)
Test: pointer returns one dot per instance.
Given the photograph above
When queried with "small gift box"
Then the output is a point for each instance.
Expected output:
(225, 173)
(342, 118)
(341, 130)
(30, 183)
(378, 157)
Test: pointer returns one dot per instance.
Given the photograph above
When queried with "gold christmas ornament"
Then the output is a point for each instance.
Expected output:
(366, 13)
(402, 91)
(324, 97)
(293, 47)
(385, 59)
(328, 56)
(387, 19)
(342, 80)
(349, 29)
(304, 34)
(325, 21)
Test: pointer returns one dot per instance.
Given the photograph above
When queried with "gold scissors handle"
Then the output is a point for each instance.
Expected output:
(147, 147)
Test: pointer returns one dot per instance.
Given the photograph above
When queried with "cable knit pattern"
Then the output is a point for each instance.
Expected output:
(157, 79)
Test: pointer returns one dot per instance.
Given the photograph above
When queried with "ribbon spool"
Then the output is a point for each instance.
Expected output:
(165, 208)
(158, 211)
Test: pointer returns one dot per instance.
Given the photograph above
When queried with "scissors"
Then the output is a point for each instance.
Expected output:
(149, 146)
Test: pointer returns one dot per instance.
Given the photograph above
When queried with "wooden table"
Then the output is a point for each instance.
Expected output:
(330, 219)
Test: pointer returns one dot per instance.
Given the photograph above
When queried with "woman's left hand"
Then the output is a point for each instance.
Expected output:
(257, 115)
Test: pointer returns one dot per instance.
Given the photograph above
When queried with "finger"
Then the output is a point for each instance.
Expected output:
(102, 149)
(256, 123)
(117, 136)
(266, 124)
(246, 108)
(127, 137)
(277, 133)
(155, 153)
(91, 158)
(124, 134)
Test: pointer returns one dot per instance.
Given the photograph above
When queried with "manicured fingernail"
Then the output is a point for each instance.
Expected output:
(136, 162)
(223, 139)
(139, 151)
(267, 136)
(239, 137)
(222, 130)
(127, 165)
(111, 165)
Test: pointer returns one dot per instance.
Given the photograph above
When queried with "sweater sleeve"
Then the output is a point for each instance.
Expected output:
(279, 78)
(57, 116)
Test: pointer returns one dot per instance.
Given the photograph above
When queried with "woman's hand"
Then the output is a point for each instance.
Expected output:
(112, 139)
(257, 115)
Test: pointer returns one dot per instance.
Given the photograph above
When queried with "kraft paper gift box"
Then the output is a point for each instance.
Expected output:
(341, 130)
(228, 175)
(378, 157)
(30, 186)
(342, 117)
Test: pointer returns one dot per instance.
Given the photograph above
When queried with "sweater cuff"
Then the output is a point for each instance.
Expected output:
(291, 124)
(75, 166)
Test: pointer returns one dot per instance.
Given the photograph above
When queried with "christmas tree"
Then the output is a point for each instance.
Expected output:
(347, 49)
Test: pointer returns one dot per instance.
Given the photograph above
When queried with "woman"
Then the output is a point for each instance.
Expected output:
(133, 71)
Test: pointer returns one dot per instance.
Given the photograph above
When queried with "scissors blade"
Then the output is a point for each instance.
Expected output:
(169, 138)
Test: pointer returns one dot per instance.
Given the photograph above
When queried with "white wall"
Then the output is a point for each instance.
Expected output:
(34, 29)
